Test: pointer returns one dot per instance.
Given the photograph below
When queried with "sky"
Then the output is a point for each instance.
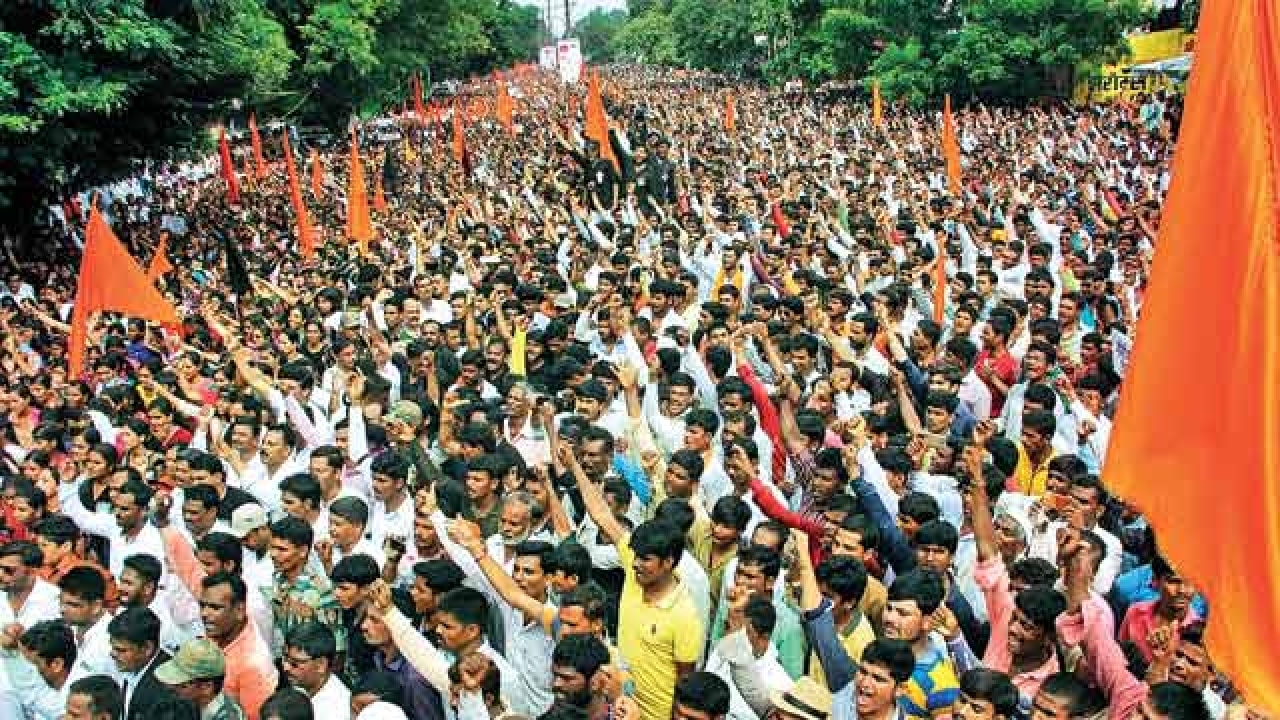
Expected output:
(579, 8)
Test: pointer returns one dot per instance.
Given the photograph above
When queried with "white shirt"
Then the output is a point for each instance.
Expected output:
(148, 540)
(93, 652)
(362, 547)
(384, 522)
(333, 700)
(1046, 546)
(766, 668)
(694, 578)
(264, 485)
(42, 603)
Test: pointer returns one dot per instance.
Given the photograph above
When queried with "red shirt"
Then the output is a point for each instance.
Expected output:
(1006, 368)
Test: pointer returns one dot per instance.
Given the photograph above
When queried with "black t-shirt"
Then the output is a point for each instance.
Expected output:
(234, 498)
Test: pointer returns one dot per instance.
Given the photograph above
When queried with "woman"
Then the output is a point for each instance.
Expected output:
(167, 432)
(132, 443)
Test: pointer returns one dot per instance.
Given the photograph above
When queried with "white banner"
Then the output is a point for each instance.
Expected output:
(569, 58)
(548, 58)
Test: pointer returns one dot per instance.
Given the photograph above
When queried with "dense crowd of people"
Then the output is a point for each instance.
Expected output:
(767, 422)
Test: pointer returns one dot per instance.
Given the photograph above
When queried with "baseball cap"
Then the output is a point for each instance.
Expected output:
(247, 518)
(198, 659)
(405, 411)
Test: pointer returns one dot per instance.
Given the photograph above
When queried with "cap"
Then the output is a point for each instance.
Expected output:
(247, 518)
(563, 301)
(806, 699)
(404, 411)
(198, 659)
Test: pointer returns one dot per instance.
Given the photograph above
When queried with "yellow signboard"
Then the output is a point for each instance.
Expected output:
(1113, 82)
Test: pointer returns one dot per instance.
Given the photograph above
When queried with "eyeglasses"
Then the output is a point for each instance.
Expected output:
(295, 660)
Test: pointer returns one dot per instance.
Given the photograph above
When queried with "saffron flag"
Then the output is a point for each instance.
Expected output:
(306, 235)
(730, 114)
(504, 109)
(597, 126)
(160, 261)
(460, 139)
(416, 89)
(228, 168)
(259, 164)
(317, 174)
(1203, 461)
(951, 148)
(877, 105)
(111, 281)
(359, 225)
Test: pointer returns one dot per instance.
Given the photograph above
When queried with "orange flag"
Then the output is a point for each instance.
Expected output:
(940, 283)
(359, 225)
(379, 196)
(877, 105)
(306, 235)
(1203, 462)
(317, 174)
(228, 168)
(160, 261)
(259, 164)
(459, 136)
(730, 114)
(504, 109)
(110, 280)
(951, 148)
(597, 126)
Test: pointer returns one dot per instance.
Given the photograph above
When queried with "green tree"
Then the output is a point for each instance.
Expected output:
(649, 38)
(597, 30)
(91, 88)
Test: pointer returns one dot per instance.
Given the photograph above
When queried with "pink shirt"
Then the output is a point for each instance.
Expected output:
(1141, 619)
(1092, 628)
(251, 675)
(993, 579)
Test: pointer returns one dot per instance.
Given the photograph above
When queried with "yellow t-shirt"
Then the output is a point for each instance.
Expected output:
(654, 637)
(854, 636)
(1031, 480)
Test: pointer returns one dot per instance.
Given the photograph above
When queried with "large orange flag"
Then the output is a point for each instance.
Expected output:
(877, 105)
(730, 114)
(317, 174)
(306, 235)
(459, 137)
(112, 281)
(951, 148)
(259, 164)
(597, 126)
(504, 110)
(228, 171)
(160, 261)
(1203, 461)
(359, 225)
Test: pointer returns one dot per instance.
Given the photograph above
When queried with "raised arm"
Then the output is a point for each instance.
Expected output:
(592, 496)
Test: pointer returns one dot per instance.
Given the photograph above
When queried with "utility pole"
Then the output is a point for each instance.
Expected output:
(568, 18)
(547, 17)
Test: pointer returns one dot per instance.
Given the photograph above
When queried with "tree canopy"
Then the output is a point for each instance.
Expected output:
(89, 88)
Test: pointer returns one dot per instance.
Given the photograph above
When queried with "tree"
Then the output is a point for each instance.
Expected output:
(649, 38)
(90, 89)
(596, 32)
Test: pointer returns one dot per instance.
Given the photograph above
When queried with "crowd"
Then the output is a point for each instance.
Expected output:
(690, 433)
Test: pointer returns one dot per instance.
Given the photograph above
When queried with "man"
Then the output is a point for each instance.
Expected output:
(385, 628)
(139, 588)
(130, 533)
(135, 648)
(27, 599)
(251, 673)
(933, 686)
(200, 511)
(574, 666)
(1088, 500)
(660, 632)
(700, 696)
(310, 651)
(197, 673)
(391, 514)
(986, 695)
(300, 497)
(83, 601)
(249, 523)
(300, 591)
(757, 572)
(1171, 609)
(50, 647)
(95, 697)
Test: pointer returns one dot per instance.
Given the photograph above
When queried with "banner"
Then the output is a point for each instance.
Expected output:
(569, 59)
(547, 58)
